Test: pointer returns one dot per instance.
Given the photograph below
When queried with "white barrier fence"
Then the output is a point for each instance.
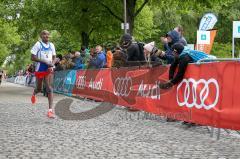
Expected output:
(20, 80)
(23, 80)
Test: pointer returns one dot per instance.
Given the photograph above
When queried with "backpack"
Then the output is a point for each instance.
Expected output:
(196, 55)
(141, 51)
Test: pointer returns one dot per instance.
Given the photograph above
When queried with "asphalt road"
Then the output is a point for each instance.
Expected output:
(26, 132)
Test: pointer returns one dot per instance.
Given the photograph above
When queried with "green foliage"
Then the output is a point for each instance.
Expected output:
(222, 50)
(9, 37)
(64, 43)
(144, 24)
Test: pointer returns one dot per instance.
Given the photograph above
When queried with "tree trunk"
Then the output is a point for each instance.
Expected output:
(131, 4)
(85, 39)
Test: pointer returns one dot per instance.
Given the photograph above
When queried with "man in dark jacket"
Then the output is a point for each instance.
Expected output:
(179, 61)
(171, 38)
(132, 49)
(182, 40)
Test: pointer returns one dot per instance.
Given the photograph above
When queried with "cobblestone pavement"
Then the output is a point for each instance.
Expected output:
(26, 132)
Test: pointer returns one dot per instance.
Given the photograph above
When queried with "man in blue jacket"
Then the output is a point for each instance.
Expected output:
(171, 38)
(100, 60)
(78, 62)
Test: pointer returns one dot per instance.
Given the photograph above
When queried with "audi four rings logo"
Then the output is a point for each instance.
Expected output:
(122, 86)
(200, 93)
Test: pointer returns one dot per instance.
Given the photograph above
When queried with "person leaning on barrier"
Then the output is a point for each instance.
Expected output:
(168, 41)
(134, 51)
(182, 57)
(179, 61)
(151, 54)
(182, 39)
(119, 58)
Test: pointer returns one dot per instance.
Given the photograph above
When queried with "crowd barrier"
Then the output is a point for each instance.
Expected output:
(208, 95)
(11, 79)
(22, 80)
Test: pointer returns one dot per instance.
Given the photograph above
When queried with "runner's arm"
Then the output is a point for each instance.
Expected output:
(53, 59)
(54, 53)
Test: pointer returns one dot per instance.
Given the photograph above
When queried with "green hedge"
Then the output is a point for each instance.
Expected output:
(222, 50)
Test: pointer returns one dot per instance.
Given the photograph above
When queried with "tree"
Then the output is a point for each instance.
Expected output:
(8, 39)
(132, 11)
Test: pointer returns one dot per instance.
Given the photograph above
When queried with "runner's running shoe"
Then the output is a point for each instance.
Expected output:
(33, 99)
(50, 114)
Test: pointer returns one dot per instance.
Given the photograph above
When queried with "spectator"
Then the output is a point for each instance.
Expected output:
(100, 60)
(85, 56)
(182, 40)
(109, 57)
(171, 38)
(30, 73)
(151, 54)
(119, 58)
(58, 63)
(133, 50)
(77, 60)
(92, 53)
(182, 57)
(67, 62)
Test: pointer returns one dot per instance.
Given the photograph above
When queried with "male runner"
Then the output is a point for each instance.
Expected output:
(43, 53)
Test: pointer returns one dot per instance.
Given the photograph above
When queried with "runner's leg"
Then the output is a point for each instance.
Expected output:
(38, 87)
(49, 81)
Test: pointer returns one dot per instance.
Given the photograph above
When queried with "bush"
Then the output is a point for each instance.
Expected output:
(222, 50)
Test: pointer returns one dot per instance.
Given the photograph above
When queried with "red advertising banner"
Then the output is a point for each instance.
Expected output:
(208, 95)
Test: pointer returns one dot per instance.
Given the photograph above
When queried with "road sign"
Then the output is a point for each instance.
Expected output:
(126, 25)
(236, 34)
(236, 29)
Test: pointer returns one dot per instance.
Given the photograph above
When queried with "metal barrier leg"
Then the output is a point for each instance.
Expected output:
(227, 131)
(218, 133)
(212, 131)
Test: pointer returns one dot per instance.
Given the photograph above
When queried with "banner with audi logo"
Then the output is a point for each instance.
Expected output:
(209, 92)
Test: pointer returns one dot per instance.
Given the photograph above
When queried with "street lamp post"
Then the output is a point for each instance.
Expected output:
(125, 15)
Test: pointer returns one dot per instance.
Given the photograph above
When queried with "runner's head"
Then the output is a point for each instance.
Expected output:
(45, 36)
